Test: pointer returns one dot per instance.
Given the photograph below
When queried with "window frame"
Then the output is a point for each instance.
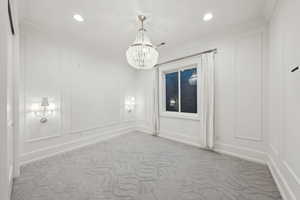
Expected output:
(178, 67)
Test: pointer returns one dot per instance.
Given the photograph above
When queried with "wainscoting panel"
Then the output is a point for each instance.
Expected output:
(95, 96)
(41, 79)
(88, 91)
(248, 66)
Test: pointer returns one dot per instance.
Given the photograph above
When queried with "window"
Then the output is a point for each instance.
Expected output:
(188, 89)
(172, 92)
(181, 90)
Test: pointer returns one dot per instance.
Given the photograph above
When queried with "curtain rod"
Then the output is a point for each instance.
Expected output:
(185, 57)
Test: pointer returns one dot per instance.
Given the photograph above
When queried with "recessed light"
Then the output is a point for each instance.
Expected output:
(78, 18)
(207, 17)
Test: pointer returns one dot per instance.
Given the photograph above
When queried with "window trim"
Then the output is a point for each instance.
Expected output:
(177, 67)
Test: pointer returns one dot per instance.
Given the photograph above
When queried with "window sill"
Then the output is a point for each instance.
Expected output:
(186, 116)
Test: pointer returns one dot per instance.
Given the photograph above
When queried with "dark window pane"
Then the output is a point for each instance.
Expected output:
(172, 92)
(188, 87)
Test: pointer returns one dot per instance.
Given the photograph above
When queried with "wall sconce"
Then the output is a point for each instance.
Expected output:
(43, 110)
(130, 104)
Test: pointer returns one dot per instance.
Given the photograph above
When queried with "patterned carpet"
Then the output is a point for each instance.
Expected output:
(137, 166)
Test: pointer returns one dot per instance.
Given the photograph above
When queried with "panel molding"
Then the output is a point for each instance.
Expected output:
(101, 125)
(28, 139)
(260, 137)
(58, 134)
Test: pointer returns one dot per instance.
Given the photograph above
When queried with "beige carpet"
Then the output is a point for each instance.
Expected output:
(137, 166)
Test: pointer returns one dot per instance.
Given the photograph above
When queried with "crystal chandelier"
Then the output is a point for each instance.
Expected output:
(142, 54)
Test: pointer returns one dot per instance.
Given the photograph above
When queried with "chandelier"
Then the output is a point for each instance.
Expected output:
(193, 79)
(142, 54)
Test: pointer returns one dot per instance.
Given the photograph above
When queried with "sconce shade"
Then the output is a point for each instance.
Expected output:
(45, 102)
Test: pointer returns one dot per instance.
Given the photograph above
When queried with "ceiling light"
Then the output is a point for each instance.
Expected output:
(142, 54)
(208, 16)
(78, 18)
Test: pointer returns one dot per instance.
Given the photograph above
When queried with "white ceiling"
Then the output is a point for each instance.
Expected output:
(112, 25)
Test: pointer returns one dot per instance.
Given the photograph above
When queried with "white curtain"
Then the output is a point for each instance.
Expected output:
(155, 115)
(207, 98)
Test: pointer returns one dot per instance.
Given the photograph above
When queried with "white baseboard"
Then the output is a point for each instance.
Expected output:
(144, 129)
(242, 152)
(179, 138)
(281, 182)
(58, 149)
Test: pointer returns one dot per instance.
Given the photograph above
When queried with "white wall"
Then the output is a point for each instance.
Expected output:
(239, 111)
(88, 90)
(284, 101)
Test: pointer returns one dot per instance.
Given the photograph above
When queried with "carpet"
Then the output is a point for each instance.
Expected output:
(138, 166)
